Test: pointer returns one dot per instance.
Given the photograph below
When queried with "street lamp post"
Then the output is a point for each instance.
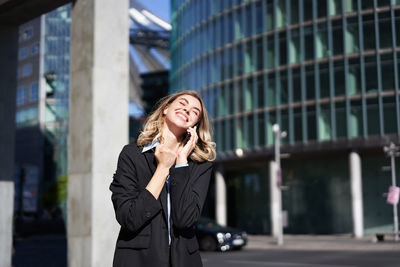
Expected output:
(392, 151)
(278, 135)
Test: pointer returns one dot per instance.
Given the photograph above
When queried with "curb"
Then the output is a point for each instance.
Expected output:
(321, 242)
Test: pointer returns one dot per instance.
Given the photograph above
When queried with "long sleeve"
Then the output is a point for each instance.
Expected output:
(134, 206)
(188, 192)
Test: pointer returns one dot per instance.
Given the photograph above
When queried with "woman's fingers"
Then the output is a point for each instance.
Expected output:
(165, 156)
(193, 137)
(191, 143)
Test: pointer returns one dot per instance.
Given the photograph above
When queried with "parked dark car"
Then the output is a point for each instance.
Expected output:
(212, 236)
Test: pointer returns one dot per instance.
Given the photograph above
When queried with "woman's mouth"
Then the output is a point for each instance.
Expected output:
(182, 116)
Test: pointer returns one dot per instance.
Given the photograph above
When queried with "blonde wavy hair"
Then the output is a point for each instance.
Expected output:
(204, 149)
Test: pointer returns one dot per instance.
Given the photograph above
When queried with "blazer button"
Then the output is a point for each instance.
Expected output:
(147, 214)
(173, 182)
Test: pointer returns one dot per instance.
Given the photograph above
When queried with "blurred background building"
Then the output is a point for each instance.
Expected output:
(42, 111)
(42, 100)
(327, 72)
(149, 63)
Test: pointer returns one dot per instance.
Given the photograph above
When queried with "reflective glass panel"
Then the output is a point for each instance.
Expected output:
(373, 116)
(369, 31)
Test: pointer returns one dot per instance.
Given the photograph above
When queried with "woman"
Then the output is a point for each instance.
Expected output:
(160, 185)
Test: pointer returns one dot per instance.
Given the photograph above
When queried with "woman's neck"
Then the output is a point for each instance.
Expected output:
(170, 139)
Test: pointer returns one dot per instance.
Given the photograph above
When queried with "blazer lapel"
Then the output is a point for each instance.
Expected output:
(152, 164)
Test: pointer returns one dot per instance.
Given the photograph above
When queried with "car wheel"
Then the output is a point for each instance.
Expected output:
(208, 243)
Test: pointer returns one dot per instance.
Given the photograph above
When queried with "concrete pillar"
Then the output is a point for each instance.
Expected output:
(98, 126)
(275, 199)
(8, 81)
(356, 194)
(220, 198)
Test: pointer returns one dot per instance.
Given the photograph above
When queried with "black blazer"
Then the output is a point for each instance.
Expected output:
(143, 238)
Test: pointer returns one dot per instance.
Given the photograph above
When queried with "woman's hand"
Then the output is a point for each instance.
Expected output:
(185, 150)
(165, 157)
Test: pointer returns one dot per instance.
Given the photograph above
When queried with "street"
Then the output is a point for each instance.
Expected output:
(298, 258)
(50, 251)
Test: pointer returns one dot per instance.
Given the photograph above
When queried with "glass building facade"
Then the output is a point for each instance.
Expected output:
(56, 58)
(42, 109)
(326, 71)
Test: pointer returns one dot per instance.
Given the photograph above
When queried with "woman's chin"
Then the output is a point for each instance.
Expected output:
(180, 124)
(178, 127)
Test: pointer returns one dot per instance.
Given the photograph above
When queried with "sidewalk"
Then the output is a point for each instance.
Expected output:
(322, 242)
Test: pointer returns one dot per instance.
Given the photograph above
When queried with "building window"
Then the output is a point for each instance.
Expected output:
(373, 120)
(369, 31)
(284, 89)
(35, 49)
(341, 122)
(34, 92)
(352, 42)
(296, 85)
(337, 33)
(311, 123)
(309, 42)
(389, 115)
(367, 4)
(335, 7)
(294, 47)
(371, 74)
(385, 30)
(21, 96)
(26, 70)
(298, 125)
(324, 80)
(355, 119)
(308, 10)
(339, 78)
(271, 98)
(270, 53)
(25, 117)
(26, 34)
(23, 53)
(259, 18)
(397, 24)
(310, 82)
(388, 72)
(249, 58)
(354, 77)
(280, 14)
(322, 41)
(350, 6)
(248, 95)
(282, 48)
(269, 22)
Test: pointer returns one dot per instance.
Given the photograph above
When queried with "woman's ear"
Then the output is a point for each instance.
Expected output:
(165, 111)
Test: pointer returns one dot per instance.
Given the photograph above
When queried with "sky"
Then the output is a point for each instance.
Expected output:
(161, 8)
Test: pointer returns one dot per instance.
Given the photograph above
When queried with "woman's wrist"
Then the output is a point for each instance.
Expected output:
(181, 161)
(163, 168)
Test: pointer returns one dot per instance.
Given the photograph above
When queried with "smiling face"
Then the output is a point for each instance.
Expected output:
(183, 112)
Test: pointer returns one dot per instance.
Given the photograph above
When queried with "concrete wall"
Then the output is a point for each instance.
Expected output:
(98, 126)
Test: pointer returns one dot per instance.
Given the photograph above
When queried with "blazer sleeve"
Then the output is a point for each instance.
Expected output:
(134, 206)
(188, 192)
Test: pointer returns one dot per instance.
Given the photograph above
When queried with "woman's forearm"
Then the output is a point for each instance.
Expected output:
(157, 182)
